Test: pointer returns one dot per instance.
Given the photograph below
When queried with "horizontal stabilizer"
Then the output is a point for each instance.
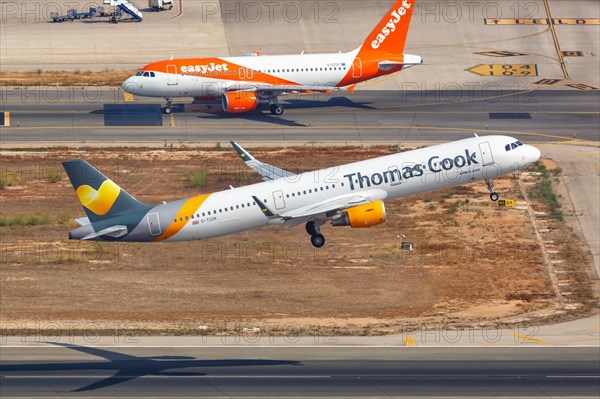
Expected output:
(113, 232)
(83, 221)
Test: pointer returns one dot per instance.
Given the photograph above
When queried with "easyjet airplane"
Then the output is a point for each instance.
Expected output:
(245, 82)
(347, 195)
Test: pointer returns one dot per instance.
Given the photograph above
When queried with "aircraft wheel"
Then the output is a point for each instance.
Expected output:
(494, 196)
(168, 110)
(277, 109)
(310, 228)
(318, 240)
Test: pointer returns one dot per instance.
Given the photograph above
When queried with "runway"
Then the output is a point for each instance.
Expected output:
(78, 117)
(57, 371)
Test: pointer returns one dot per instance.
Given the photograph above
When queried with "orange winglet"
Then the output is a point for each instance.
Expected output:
(351, 88)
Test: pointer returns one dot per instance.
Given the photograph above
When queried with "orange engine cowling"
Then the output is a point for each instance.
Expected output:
(240, 101)
(367, 215)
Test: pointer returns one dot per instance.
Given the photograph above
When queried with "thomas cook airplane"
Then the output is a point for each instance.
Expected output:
(242, 83)
(346, 195)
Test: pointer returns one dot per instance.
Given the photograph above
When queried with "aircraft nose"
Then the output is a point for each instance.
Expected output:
(534, 154)
(131, 85)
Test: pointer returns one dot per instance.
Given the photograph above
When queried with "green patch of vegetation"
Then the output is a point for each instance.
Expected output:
(71, 258)
(53, 175)
(64, 218)
(542, 190)
(7, 179)
(32, 219)
(199, 178)
(448, 195)
(453, 207)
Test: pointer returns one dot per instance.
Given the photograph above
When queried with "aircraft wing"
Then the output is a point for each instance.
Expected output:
(268, 172)
(323, 209)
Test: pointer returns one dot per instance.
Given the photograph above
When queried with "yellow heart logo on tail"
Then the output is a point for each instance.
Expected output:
(99, 201)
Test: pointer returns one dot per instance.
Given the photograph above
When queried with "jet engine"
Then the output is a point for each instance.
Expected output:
(239, 101)
(367, 215)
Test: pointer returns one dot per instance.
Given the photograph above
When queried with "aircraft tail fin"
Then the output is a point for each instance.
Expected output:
(389, 36)
(101, 197)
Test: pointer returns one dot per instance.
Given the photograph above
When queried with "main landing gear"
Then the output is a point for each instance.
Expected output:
(316, 238)
(277, 109)
(490, 186)
(169, 107)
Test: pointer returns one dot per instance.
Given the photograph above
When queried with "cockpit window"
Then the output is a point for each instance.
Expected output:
(152, 75)
(512, 146)
(140, 73)
(146, 74)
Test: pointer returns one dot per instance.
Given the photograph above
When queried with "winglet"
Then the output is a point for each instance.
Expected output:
(267, 212)
(245, 155)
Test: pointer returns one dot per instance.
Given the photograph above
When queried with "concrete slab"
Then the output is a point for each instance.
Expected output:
(448, 35)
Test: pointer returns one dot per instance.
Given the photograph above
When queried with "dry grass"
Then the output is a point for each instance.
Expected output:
(471, 255)
(64, 78)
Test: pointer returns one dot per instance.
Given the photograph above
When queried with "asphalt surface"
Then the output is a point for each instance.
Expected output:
(300, 372)
(75, 116)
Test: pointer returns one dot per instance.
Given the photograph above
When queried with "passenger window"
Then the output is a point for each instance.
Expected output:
(175, 220)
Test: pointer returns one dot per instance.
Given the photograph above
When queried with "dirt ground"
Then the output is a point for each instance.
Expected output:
(475, 263)
(39, 77)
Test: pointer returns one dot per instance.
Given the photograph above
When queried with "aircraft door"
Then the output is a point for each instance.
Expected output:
(154, 224)
(487, 158)
(171, 75)
(357, 68)
(278, 198)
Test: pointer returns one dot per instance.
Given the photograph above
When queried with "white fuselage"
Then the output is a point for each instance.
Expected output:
(422, 170)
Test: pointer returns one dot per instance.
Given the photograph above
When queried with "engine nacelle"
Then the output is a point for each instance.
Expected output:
(367, 215)
(238, 102)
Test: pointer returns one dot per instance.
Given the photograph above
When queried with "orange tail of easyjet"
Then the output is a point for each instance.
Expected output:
(389, 36)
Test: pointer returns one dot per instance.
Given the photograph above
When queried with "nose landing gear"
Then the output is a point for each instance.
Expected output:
(313, 229)
(490, 186)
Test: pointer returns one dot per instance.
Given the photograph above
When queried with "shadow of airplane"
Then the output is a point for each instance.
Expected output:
(129, 367)
(342, 102)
